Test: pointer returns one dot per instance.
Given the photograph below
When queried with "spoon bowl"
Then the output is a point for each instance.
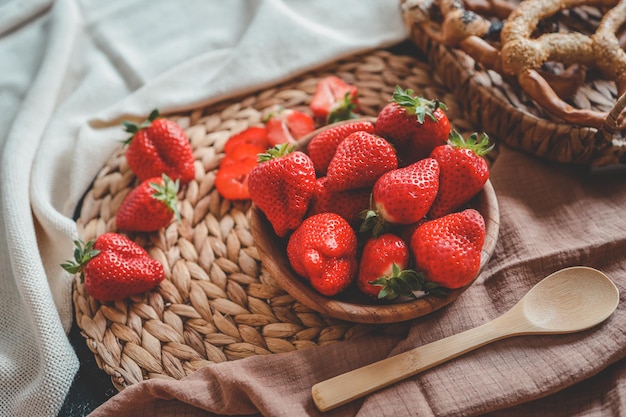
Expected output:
(570, 300)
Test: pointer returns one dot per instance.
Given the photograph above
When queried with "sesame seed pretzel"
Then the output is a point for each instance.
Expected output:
(522, 56)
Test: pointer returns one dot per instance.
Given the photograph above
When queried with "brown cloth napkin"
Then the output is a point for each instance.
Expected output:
(551, 217)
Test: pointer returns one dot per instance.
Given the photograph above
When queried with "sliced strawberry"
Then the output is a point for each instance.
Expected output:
(256, 135)
(287, 126)
(242, 151)
(334, 100)
(231, 180)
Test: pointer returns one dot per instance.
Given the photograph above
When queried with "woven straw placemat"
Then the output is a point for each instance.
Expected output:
(217, 302)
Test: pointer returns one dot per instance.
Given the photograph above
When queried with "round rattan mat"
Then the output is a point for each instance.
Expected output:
(217, 302)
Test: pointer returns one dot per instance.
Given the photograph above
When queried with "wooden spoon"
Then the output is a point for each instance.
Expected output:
(567, 301)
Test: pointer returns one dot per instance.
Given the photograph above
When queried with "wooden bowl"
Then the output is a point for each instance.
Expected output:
(352, 305)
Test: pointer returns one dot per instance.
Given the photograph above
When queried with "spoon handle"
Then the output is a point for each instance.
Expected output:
(349, 386)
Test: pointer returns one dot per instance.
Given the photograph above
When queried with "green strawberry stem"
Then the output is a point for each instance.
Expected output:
(372, 223)
(480, 146)
(133, 128)
(343, 110)
(276, 152)
(83, 253)
(404, 283)
(167, 193)
(417, 105)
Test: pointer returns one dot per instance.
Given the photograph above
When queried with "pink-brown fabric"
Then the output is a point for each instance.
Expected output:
(551, 217)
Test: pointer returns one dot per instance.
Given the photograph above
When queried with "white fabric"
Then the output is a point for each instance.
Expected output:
(70, 70)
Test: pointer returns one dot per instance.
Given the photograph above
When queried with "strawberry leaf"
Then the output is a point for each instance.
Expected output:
(83, 253)
(401, 283)
(417, 105)
(373, 223)
(133, 128)
(405, 283)
(167, 193)
(344, 110)
(276, 152)
(480, 146)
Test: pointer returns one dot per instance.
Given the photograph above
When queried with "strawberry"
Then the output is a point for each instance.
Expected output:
(403, 196)
(231, 180)
(414, 125)
(241, 153)
(463, 174)
(150, 206)
(323, 146)
(348, 204)
(358, 162)
(281, 185)
(448, 249)
(323, 251)
(334, 100)
(159, 146)
(114, 267)
(256, 135)
(382, 269)
(287, 126)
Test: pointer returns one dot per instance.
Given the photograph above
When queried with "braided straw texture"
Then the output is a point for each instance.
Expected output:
(500, 108)
(217, 302)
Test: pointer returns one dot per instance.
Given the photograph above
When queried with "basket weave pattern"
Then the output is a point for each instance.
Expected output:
(217, 302)
(498, 106)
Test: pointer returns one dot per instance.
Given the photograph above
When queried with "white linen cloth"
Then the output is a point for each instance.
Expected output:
(70, 70)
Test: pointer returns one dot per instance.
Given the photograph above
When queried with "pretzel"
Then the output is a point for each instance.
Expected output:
(522, 57)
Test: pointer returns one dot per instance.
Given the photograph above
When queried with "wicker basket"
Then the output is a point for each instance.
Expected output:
(218, 302)
(499, 107)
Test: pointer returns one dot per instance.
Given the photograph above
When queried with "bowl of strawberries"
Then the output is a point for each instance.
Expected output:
(376, 220)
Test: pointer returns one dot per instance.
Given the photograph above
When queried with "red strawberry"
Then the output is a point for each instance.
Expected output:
(334, 100)
(159, 146)
(114, 267)
(348, 204)
(322, 146)
(256, 135)
(287, 126)
(360, 159)
(231, 180)
(149, 207)
(382, 269)
(404, 195)
(323, 251)
(414, 125)
(464, 172)
(282, 186)
(448, 249)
